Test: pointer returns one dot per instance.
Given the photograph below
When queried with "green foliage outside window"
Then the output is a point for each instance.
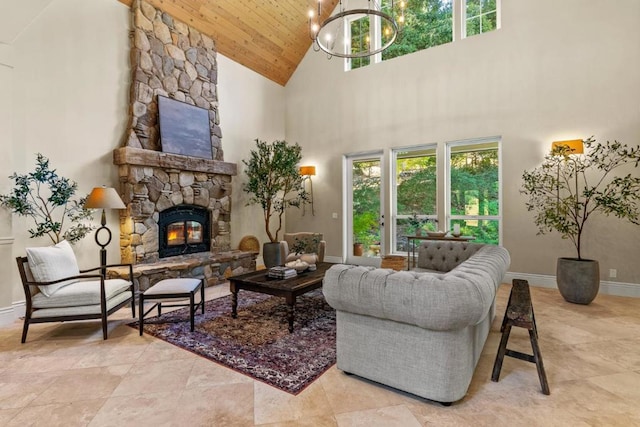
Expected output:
(366, 202)
(475, 191)
(427, 23)
(416, 185)
(359, 41)
(481, 16)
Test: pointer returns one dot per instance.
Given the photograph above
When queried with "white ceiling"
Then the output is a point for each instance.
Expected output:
(15, 16)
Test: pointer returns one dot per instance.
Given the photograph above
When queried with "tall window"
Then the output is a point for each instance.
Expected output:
(481, 16)
(427, 23)
(473, 172)
(415, 193)
(359, 40)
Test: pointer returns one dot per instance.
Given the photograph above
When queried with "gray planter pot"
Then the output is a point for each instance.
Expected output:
(578, 280)
(271, 254)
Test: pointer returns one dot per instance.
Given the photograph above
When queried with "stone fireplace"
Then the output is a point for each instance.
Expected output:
(178, 212)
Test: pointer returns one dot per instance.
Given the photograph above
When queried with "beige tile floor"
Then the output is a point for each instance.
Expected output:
(66, 375)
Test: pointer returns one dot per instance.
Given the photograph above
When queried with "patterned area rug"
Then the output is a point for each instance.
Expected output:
(257, 343)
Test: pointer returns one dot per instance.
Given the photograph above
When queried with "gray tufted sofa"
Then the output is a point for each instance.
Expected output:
(419, 331)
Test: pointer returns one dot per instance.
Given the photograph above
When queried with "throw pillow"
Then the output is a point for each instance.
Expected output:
(52, 263)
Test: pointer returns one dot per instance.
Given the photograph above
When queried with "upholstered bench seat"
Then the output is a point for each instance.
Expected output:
(180, 288)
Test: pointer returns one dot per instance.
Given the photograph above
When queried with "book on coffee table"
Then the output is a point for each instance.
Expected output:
(282, 272)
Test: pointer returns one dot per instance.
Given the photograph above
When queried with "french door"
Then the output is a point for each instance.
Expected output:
(364, 178)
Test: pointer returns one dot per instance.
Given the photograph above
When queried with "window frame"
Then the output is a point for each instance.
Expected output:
(459, 31)
(393, 244)
(449, 217)
(463, 19)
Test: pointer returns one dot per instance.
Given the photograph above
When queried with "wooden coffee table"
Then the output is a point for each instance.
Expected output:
(258, 281)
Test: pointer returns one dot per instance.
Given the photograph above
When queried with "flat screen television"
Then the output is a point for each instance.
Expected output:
(184, 128)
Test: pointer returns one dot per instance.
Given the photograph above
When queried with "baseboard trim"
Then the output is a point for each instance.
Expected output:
(8, 315)
(620, 289)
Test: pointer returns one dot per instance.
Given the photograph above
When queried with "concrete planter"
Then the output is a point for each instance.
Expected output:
(271, 254)
(578, 280)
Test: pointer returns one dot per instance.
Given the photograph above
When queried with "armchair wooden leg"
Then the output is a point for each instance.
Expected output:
(141, 312)
(104, 325)
(25, 329)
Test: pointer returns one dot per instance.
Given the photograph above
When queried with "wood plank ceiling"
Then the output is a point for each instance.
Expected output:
(269, 37)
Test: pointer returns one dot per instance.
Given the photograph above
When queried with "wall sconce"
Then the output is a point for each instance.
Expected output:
(574, 146)
(103, 198)
(307, 172)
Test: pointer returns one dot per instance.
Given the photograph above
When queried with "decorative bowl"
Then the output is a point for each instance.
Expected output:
(436, 233)
(297, 265)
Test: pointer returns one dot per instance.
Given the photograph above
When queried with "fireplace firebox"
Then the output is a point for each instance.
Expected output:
(183, 229)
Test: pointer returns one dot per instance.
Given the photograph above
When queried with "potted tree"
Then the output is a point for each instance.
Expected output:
(47, 199)
(567, 190)
(274, 182)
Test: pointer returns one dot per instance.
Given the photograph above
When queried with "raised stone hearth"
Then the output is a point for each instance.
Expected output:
(214, 267)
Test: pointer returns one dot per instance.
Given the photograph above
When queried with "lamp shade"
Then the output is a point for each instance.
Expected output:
(575, 146)
(104, 198)
(308, 170)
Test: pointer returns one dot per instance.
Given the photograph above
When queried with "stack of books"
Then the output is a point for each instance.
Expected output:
(281, 272)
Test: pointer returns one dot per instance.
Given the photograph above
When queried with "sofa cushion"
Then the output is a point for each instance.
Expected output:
(81, 293)
(53, 263)
(94, 309)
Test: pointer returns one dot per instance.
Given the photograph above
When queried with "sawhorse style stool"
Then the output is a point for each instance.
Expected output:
(519, 313)
(173, 289)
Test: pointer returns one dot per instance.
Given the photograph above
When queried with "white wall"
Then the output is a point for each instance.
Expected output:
(250, 107)
(556, 70)
(6, 137)
(70, 103)
(67, 75)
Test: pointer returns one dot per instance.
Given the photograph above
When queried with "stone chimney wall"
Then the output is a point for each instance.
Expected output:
(171, 59)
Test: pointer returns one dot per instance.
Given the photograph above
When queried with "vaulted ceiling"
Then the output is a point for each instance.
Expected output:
(269, 37)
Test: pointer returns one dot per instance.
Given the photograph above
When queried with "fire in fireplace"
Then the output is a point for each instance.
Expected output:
(183, 229)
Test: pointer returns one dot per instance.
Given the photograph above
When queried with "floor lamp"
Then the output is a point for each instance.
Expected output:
(104, 198)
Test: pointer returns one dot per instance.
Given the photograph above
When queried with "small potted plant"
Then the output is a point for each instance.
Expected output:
(416, 223)
(567, 190)
(274, 182)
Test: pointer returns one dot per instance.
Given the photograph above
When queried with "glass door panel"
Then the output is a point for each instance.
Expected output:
(365, 217)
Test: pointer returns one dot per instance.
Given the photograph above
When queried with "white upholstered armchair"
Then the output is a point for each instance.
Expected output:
(56, 290)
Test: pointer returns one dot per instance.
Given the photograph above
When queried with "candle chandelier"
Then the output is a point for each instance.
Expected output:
(378, 30)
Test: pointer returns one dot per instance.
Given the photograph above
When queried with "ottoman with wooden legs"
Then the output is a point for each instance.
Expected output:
(173, 289)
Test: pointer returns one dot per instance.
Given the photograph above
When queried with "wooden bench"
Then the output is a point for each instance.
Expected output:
(519, 313)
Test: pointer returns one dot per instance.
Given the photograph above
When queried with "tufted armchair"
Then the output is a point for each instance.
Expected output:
(309, 240)
(440, 256)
